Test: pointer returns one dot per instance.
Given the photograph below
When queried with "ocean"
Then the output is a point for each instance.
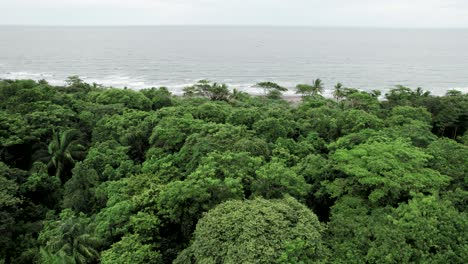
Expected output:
(177, 56)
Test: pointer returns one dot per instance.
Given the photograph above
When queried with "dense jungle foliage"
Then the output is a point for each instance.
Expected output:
(100, 175)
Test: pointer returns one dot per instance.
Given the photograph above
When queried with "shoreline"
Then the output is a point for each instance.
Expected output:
(177, 89)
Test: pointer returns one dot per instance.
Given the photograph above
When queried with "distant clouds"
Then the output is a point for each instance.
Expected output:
(373, 13)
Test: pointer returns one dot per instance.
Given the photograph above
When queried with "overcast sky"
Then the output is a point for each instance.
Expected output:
(360, 13)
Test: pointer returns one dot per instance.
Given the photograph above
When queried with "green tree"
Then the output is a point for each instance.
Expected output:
(129, 209)
(274, 95)
(219, 92)
(410, 122)
(453, 93)
(338, 93)
(274, 180)
(171, 132)
(417, 132)
(13, 129)
(384, 172)
(214, 91)
(76, 85)
(244, 116)
(219, 177)
(64, 149)
(228, 164)
(69, 234)
(211, 137)
(426, 229)
(256, 231)
(400, 95)
(131, 250)
(323, 120)
(239, 95)
(271, 90)
(79, 189)
(123, 97)
(354, 120)
(132, 128)
(257, 147)
(304, 89)
(420, 92)
(184, 202)
(42, 188)
(317, 87)
(270, 86)
(9, 204)
(58, 258)
(351, 140)
(110, 160)
(450, 115)
(450, 158)
(212, 112)
(45, 118)
(272, 128)
(354, 99)
(400, 115)
(376, 93)
(74, 81)
(159, 97)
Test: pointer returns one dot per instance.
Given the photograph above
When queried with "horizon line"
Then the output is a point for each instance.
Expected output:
(227, 25)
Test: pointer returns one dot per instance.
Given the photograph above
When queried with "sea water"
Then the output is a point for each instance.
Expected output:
(177, 56)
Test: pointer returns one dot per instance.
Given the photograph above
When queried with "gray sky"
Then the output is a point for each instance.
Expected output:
(361, 13)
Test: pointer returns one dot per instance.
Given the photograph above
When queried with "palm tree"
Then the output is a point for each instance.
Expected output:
(317, 87)
(70, 240)
(419, 92)
(63, 150)
(304, 89)
(376, 93)
(238, 94)
(57, 258)
(218, 92)
(338, 93)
